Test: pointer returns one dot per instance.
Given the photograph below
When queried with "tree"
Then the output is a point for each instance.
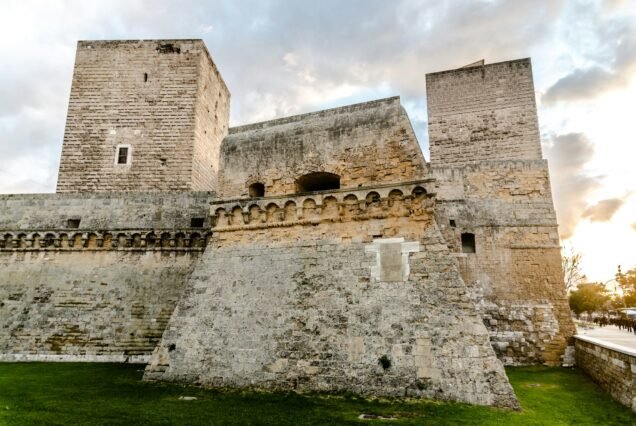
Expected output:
(589, 298)
(572, 269)
(627, 281)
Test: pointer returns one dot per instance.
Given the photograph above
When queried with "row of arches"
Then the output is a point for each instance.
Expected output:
(330, 207)
(52, 240)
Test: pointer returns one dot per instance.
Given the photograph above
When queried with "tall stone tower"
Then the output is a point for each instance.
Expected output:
(495, 205)
(483, 113)
(144, 115)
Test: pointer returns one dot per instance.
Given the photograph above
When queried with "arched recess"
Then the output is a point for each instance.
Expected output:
(317, 181)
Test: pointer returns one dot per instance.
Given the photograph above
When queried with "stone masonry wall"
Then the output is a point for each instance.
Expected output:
(483, 113)
(212, 118)
(102, 290)
(87, 305)
(146, 95)
(368, 143)
(611, 366)
(336, 291)
(103, 211)
(515, 273)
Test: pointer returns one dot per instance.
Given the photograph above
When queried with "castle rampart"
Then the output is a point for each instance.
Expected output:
(94, 277)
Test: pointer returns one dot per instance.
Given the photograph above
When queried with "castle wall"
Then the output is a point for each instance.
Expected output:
(101, 291)
(315, 292)
(364, 144)
(483, 113)
(146, 96)
(87, 305)
(102, 211)
(515, 273)
(212, 118)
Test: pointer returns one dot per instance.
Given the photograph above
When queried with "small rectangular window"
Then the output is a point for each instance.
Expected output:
(73, 223)
(468, 243)
(197, 222)
(122, 155)
(453, 224)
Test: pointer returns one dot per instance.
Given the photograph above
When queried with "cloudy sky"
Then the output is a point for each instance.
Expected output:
(287, 57)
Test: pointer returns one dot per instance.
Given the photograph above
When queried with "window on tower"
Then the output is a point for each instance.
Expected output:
(122, 154)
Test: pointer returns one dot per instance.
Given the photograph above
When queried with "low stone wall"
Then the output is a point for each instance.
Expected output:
(612, 366)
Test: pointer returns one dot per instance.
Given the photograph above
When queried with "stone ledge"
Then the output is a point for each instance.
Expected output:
(607, 345)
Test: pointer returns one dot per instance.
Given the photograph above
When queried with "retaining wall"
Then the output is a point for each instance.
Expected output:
(612, 366)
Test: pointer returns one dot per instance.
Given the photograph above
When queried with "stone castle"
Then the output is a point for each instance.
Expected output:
(313, 252)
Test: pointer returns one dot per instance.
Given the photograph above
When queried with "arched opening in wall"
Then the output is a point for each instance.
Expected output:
(317, 181)
(418, 191)
(256, 190)
(468, 242)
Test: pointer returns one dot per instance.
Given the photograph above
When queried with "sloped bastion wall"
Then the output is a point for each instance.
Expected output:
(351, 290)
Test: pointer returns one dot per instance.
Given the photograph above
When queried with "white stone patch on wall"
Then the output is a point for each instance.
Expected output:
(392, 258)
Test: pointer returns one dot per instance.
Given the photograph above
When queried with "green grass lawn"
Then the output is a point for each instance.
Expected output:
(65, 394)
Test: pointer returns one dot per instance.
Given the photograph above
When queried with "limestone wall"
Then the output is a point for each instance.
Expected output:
(103, 211)
(212, 118)
(103, 290)
(369, 143)
(515, 273)
(88, 305)
(153, 97)
(339, 291)
(483, 113)
(613, 367)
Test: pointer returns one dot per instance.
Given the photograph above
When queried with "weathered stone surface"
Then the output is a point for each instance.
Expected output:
(367, 143)
(612, 367)
(163, 99)
(483, 113)
(90, 306)
(104, 211)
(493, 184)
(103, 291)
(308, 301)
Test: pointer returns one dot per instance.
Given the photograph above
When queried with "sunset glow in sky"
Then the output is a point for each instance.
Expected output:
(282, 58)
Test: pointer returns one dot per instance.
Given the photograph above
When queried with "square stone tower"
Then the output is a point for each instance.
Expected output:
(483, 113)
(144, 115)
(495, 208)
